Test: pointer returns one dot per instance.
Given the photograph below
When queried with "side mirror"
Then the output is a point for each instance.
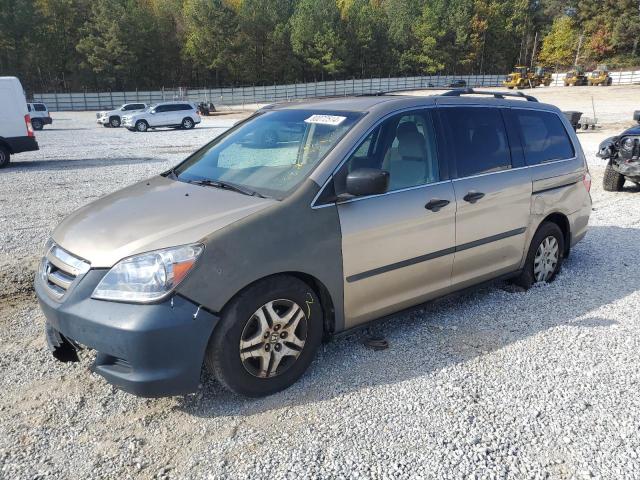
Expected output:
(636, 116)
(367, 181)
(152, 112)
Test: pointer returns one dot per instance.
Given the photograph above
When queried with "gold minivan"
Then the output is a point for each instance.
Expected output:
(306, 220)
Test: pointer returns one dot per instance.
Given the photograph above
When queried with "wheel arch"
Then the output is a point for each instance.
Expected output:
(318, 287)
(562, 221)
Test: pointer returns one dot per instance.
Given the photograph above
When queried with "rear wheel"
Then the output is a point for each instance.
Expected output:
(142, 126)
(267, 337)
(544, 257)
(187, 123)
(612, 180)
(5, 156)
(114, 122)
(37, 124)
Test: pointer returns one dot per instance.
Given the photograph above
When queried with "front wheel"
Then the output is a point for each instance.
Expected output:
(142, 126)
(544, 257)
(267, 337)
(5, 156)
(612, 181)
(114, 122)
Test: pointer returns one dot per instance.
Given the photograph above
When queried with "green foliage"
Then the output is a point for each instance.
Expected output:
(127, 44)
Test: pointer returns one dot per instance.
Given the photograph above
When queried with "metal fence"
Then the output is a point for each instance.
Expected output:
(241, 97)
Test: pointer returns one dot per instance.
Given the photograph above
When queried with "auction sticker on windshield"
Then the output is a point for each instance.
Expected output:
(326, 119)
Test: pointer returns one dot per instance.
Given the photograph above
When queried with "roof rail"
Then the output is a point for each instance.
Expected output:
(470, 91)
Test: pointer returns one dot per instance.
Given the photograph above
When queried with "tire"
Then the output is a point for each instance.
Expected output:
(142, 126)
(5, 156)
(530, 273)
(187, 123)
(248, 376)
(114, 122)
(612, 180)
(37, 124)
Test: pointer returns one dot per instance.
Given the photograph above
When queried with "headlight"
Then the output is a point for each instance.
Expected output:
(628, 143)
(148, 277)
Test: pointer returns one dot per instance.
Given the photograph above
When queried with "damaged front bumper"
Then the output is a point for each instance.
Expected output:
(148, 350)
(628, 168)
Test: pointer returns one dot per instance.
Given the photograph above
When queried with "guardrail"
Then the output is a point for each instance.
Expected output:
(241, 97)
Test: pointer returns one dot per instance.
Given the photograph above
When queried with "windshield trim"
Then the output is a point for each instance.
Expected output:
(357, 115)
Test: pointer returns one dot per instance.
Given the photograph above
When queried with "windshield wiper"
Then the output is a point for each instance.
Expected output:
(227, 186)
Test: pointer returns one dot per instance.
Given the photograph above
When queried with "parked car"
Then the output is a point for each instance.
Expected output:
(16, 132)
(113, 118)
(244, 258)
(168, 114)
(623, 154)
(457, 84)
(39, 114)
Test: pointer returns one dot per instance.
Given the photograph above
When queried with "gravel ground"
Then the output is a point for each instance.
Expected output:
(496, 383)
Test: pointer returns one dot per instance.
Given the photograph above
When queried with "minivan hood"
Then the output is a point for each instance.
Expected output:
(152, 214)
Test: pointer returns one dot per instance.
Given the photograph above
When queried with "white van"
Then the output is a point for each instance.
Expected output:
(16, 132)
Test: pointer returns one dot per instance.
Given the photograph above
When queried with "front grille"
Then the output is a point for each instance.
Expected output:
(60, 269)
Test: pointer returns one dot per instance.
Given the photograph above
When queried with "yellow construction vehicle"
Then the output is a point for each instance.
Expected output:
(521, 77)
(542, 77)
(575, 77)
(600, 76)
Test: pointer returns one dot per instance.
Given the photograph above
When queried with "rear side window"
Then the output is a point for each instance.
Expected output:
(40, 107)
(477, 138)
(544, 138)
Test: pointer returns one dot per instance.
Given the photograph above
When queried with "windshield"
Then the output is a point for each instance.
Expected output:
(270, 154)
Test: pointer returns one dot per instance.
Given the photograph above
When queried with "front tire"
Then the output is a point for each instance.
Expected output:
(612, 180)
(5, 156)
(544, 258)
(142, 126)
(267, 337)
(114, 122)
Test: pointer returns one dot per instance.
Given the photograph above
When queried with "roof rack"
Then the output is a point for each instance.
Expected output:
(470, 91)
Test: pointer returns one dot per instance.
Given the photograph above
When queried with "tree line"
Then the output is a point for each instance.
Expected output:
(58, 45)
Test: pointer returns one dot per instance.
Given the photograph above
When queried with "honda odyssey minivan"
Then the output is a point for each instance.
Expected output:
(247, 254)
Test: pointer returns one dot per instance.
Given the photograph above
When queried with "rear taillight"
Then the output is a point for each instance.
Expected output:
(586, 180)
(27, 121)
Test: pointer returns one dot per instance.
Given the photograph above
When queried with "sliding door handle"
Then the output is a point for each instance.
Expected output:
(473, 197)
(436, 204)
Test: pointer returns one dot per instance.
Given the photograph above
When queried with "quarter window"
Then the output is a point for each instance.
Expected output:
(478, 139)
(544, 137)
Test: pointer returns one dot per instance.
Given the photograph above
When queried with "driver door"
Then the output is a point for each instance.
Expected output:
(397, 247)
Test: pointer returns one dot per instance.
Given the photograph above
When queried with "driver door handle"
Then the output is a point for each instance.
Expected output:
(473, 197)
(436, 204)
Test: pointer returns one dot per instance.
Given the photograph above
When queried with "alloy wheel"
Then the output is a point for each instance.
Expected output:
(546, 260)
(273, 338)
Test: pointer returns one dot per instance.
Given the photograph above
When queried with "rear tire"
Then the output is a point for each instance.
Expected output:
(5, 156)
(259, 368)
(37, 124)
(142, 126)
(540, 267)
(612, 180)
(187, 123)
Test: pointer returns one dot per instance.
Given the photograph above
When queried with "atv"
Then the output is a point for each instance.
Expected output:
(623, 153)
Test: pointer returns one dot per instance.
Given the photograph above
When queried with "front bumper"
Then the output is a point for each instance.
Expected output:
(148, 350)
(102, 120)
(628, 168)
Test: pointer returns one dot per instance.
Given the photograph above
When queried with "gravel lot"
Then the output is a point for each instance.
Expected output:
(496, 383)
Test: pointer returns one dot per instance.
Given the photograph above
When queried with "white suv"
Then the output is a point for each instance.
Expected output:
(113, 118)
(169, 114)
(39, 114)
